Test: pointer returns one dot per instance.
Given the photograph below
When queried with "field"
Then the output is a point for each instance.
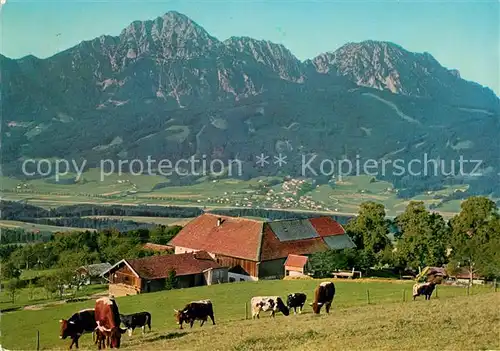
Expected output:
(155, 220)
(31, 298)
(343, 197)
(6, 224)
(385, 323)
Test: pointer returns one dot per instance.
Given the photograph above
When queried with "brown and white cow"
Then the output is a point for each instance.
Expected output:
(268, 303)
(195, 310)
(107, 319)
(323, 295)
(425, 289)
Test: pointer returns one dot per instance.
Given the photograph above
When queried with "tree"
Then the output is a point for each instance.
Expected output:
(324, 263)
(49, 283)
(10, 271)
(370, 230)
(424, 237)
(13, 286)
(171, 281)
(475, 238)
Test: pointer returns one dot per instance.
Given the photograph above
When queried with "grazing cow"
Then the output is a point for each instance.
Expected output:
(107, 318)
(78, 324)
(425, 289)
(296, 300)
(195, 310)
(132, 321)
(323, 295)
(266, 303)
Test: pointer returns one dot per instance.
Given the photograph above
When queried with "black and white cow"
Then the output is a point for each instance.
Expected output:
(195, 310)
(78, 324)
(425, 289)
(296, 300)
(135, 320)
(268, 303)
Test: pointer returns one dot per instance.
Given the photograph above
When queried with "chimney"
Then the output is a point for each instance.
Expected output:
(219, 222)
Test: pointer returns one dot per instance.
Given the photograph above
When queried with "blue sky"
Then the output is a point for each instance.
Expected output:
(459, 34)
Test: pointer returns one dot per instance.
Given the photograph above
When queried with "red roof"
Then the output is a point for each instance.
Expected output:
(235, 237)
(251, 239)
(326, 226)
(156, 247)
(273, 249)
(464, 273)
(296, 261)
(158, 267)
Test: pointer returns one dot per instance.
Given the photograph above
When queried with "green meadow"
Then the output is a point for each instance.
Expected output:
(357, 299)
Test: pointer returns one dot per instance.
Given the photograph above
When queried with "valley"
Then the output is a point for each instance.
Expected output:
(297, 194)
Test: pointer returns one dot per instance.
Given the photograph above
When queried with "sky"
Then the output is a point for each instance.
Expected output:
(464, 35)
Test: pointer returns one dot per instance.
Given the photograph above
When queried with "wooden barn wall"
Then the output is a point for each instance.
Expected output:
(249, 266)
(125, 276)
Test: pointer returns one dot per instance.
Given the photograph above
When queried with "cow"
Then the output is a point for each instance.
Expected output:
(195, 310)
(107, 318)
(296, 300)
(78, 324)
(266, 303)
(323, 295)
(425, 289)
(132, 321)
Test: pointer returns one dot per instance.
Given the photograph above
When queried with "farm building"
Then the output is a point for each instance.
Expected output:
(130, 277)
(91, 274)
(432, 274)
(463, 276)
(254, 249)
(296, 265)
(157, 247)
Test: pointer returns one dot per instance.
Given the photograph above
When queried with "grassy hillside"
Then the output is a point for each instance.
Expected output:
(230, 303)
(451, 324)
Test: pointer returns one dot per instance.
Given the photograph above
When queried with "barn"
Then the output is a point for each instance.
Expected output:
(135, 276)
(254, 249)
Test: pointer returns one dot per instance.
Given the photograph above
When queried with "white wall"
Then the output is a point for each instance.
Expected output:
(295, 274)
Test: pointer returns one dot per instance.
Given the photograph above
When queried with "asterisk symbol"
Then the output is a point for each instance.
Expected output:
(262, 160)
(280, 160)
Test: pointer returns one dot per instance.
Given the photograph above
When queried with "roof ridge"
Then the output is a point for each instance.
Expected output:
(234, 218)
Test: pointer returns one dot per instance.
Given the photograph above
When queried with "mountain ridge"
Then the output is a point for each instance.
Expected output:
(166, 86)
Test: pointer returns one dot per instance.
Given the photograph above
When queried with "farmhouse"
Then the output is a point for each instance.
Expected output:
(432, 274)
(254, 249)
(130, 277)
(463, 276)
(91, 274)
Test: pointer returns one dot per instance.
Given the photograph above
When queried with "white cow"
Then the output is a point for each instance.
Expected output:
(268, 303)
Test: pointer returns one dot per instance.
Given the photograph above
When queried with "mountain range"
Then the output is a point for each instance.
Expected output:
(166, 88)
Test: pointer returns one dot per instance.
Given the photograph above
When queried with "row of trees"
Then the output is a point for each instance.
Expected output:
(80, 248)
(418, 238)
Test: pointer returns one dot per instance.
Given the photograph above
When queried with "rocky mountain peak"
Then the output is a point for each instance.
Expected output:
(171, 36)
(386, 66)
(273, 55)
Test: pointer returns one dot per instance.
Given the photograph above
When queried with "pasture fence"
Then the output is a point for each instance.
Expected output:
(37, 340)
